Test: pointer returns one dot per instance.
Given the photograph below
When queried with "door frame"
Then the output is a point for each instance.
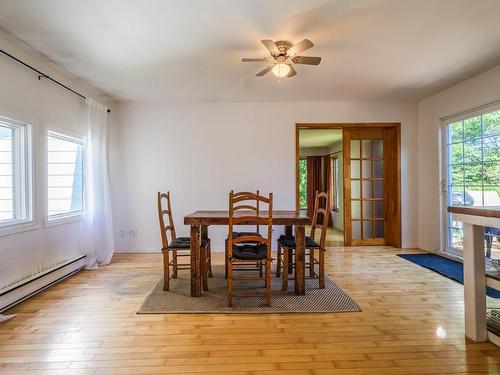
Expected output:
(360, 125)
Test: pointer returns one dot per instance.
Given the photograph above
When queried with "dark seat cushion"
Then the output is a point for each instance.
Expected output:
(289, 241)
(185, 243)
(250, 252)
(241, 234)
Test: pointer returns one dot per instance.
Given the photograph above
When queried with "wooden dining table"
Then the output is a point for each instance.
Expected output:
(199, 221)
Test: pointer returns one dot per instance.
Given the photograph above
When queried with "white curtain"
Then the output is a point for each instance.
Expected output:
(97, 232)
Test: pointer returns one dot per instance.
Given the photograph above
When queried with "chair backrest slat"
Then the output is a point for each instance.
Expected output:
(249, 239)
(251, 197)
(245, 207)
(246, 196)
(324, 213)
(250, 216)
(164, 208)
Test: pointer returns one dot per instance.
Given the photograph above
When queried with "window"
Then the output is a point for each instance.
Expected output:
(15, 189)
(64, 175)
(6, 174)
(303, 184)
(472, 167)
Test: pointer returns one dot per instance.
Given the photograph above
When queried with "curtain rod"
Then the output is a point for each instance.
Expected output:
(471, 111)
(43, 75)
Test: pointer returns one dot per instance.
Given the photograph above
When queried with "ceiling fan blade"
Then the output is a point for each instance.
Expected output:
(262, 59)
(292, 71)
(309, 60)
(267, 70)
(271, 46)
(300, 47)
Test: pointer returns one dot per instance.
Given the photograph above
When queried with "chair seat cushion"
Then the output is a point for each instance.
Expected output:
(185, 243)
(250, 252)
(241, 234)
(289, 241)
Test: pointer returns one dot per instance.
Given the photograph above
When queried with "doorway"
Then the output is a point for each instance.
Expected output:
(320, 168)
(359, 164)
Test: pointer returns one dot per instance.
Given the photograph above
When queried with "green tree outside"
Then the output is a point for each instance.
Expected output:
(303, 183)
(475, 154)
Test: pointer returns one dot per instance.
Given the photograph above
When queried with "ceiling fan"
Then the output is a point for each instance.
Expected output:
(283, 53)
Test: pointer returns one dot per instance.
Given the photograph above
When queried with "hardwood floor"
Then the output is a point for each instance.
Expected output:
(411, 323)
(334, 237)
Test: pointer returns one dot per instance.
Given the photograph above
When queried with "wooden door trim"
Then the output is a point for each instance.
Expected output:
(342, 125)
(351, 126)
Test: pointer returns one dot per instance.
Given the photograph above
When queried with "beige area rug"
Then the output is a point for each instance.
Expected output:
(178, 299)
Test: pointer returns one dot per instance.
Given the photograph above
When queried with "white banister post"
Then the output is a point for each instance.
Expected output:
(474, 283)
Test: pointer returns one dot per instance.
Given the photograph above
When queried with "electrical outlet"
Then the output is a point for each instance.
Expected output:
(132, 233)
(122, 234)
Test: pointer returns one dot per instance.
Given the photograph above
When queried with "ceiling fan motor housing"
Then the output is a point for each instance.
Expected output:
(283, 46)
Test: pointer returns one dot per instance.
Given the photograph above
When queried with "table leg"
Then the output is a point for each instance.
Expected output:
(203, 259)
(474, 283)
(195, 261)
(300, 273)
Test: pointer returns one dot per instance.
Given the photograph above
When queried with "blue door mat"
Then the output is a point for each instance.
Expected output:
(446, 267)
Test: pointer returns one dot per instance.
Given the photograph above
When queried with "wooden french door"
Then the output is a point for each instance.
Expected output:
(372, 213)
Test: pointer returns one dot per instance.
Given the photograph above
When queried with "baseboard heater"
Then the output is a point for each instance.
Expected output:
(18, 292)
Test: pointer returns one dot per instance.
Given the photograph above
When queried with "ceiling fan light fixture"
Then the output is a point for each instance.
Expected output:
(286, 55)
(281, 70)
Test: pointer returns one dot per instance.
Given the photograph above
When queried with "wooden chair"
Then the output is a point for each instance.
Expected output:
(179, 246)
(286, 245)
(247, 249)
(248, 206)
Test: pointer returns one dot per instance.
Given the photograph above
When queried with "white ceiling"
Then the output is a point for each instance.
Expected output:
(309, 138)
(191, 49)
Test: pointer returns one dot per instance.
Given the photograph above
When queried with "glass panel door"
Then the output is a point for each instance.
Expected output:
(367, 189)
(372, 203)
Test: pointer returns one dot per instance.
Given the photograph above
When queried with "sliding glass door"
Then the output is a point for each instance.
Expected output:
(472, 175)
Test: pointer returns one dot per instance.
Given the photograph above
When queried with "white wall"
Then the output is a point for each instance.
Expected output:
(45, 106)
(479, 90)
(200, 151)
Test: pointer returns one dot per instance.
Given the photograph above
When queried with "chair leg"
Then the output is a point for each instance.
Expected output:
(229, 269)
(210, 274)
(284, 274)
(174, 264)
(290, 261)
(259, 264)
(321, 268)
(166, 270)
(226, 263)
(311, 262)
(278, 261)
(204, 271)
(268, 282)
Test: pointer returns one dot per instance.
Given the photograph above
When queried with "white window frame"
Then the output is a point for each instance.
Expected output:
(68, 217)
(443, 175)
(23, 178)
